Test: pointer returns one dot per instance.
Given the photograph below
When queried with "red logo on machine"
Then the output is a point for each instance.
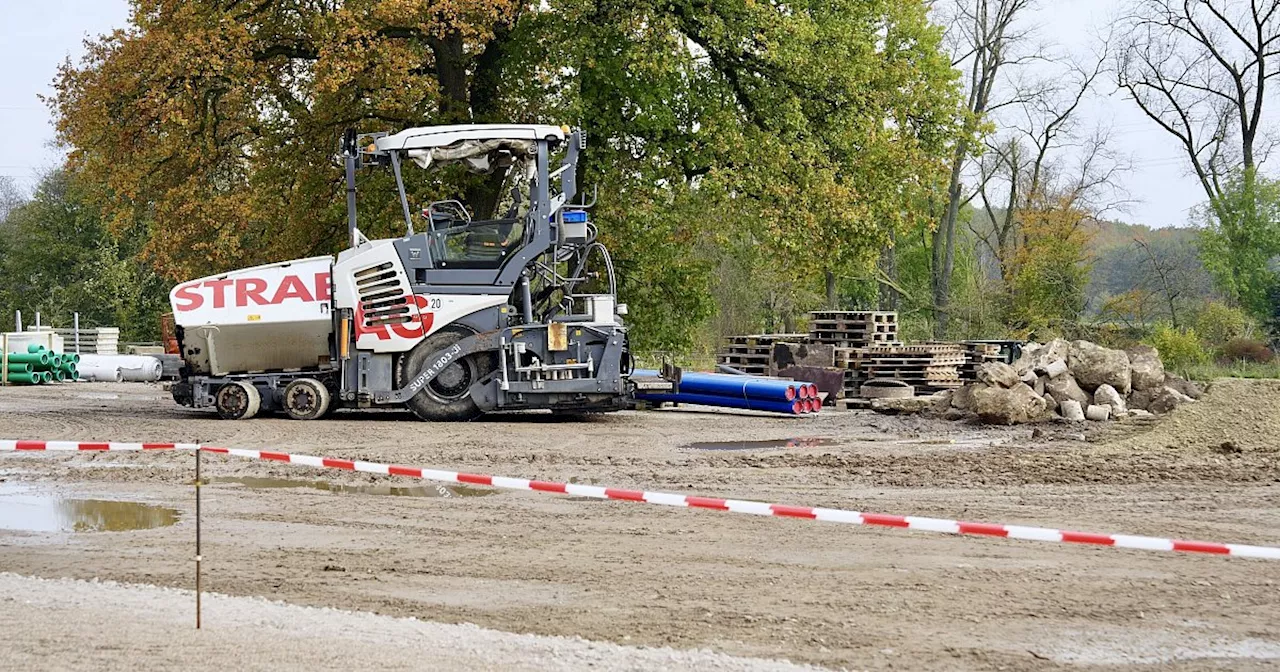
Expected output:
(420, 321)
(245, 292)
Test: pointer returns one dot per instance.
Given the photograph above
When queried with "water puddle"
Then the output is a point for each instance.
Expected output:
(33, 511)
(777, 444)
(432, 490)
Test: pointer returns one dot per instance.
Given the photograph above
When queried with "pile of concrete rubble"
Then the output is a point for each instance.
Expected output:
(1075, 381)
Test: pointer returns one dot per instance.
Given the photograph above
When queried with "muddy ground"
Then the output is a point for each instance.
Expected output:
(822, 594)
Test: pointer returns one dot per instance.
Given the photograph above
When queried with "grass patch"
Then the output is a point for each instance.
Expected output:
(1240, 369)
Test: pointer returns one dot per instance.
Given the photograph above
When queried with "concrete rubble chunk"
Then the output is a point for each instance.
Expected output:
(1056, 368)
(1093, 365)
(963, 398)
(1039, 384)
(1037, 358)
(1071, 410)
(1008, 406)
(1105, 394)
(1097, 412)
(1026, 360)
(1050, 404)
(1166, 399)
(1140, 399)
(1064, 387)
(1146, 369)
(998, 374)
(1184, 386)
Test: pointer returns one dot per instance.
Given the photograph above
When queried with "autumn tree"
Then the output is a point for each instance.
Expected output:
(1050, 270)
(209, 128)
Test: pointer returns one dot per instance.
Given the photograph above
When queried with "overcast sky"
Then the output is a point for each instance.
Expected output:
(36, 36)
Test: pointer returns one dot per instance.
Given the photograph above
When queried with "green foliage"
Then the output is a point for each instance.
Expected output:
(58, 258)
(1271, 321)
(977, 305)
(1050, 271)
(1241, 236)
(1217, 323)
(207, 129)
(1179, 348)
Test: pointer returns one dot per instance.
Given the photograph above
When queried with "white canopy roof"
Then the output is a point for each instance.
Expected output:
(443, 136)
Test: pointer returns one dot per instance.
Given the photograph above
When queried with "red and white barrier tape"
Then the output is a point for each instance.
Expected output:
(668, 499)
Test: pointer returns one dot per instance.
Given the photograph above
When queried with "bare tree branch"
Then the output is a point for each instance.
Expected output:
(1200, 70)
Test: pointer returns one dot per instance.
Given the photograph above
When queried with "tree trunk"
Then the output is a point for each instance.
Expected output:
(451, 74)
(483, 194)
(833, 301)
(944, 245)
(889, 267)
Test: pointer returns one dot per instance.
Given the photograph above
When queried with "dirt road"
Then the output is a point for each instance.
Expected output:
(638, 575)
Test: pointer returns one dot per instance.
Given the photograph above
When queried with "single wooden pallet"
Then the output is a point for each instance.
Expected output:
(852, 334)
(920, 349)
(859, 315)
(922, 365)
(819, 325)
(856, 343)
(954, 360)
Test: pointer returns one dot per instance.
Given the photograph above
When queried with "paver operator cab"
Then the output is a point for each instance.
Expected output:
(461, 317)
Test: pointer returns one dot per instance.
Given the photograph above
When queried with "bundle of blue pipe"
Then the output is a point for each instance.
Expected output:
(746, 392)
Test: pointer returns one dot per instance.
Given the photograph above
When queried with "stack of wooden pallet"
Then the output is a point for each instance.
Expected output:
(853, 329)
(927, 368)
(92, 340)
(752, 354)
(977, 354)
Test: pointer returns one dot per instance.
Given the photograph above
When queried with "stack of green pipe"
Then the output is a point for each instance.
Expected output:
(40, 365)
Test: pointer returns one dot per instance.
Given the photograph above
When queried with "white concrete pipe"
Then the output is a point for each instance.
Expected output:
(99, 373)
(133, 368)
(1097, 412)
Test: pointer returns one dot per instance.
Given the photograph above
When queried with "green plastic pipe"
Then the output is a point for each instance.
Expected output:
(19, 368)
(34, 378)
(35, 359)
(46, 376)
(59, 375)
(33, 348)
(73, 356)
(55, 362)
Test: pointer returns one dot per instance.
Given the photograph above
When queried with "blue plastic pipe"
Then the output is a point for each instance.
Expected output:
(787, 407)
(738, 387)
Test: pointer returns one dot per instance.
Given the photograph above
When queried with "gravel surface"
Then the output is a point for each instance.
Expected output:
(763, 588)
(107, 625)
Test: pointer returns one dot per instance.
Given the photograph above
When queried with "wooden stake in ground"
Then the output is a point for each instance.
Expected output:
(198, 558)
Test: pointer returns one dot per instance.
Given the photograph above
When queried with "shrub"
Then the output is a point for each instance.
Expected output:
(1218, 323)
(1247, 350)
(1179, 348)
